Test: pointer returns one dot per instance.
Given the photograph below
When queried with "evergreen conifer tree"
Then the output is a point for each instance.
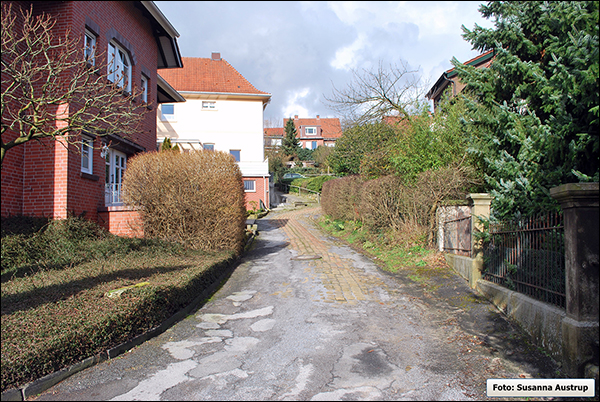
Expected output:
(536, 106)
(290, 144)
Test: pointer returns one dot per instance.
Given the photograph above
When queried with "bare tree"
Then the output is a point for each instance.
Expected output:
(375, 94)
(272, 123)
(51, 90)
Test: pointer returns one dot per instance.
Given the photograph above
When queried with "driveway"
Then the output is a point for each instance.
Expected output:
(305, 317)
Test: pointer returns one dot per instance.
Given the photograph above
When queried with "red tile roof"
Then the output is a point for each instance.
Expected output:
(208, 75)
(274, 132)
(330, 126)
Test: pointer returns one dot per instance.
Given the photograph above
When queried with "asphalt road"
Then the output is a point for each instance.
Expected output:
(305, 317)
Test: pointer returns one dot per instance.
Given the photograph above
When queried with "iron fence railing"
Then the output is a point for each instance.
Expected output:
(527, 255)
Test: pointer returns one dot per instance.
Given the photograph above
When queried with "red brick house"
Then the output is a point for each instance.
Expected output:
(450, 77)
(311, 133)
(46, 179)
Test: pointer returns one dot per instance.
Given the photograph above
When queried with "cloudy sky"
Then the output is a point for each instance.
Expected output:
(298, 51)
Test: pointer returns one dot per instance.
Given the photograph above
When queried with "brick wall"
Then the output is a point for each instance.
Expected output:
(122, 222)
(44, 179)
(261, 193)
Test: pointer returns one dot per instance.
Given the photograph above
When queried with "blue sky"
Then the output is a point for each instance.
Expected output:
(298, 51)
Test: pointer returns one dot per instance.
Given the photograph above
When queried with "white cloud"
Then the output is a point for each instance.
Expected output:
(346, 58)
(297, 50)
(293, 106)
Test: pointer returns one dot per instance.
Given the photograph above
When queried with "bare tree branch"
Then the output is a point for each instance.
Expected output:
(372, 95)
(50, 90)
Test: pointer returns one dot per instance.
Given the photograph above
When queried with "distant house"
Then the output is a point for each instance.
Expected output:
(273, 138)
(311, 133)
(450, 77)
(47, 179)
(222, 112)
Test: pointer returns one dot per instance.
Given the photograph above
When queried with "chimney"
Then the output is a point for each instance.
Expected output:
(317, 117)
(296, 117)
(216, 56)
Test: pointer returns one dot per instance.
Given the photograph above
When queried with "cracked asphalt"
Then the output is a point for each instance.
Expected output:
(306, 317)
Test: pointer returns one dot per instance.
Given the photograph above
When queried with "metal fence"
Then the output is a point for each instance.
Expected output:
(528, 256)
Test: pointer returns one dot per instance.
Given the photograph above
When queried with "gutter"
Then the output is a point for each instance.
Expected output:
(267, 95)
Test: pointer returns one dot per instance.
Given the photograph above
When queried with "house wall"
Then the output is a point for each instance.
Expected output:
(261, 193)
(44, 179)
(307, 143)
(121, 221)
(234, 124)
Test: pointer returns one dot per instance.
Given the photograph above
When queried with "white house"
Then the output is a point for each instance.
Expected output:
(222, 111)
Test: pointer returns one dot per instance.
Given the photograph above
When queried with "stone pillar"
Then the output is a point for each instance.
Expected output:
(480, 206)
(579, 202)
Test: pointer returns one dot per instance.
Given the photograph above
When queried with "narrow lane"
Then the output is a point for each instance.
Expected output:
(303, 317)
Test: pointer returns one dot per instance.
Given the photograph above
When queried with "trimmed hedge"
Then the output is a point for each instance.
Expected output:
(41, 338)
(194, 198)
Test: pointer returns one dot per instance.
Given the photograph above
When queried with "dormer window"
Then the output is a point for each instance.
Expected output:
(119, 66)
(310, 130)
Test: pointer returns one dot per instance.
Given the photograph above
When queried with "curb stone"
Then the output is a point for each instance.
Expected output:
(42, 384)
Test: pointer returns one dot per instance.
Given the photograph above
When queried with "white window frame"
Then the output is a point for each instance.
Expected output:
(310, 128)
(144, 89)
(119, 66)
(116, 164)
(87, 155)
(247, 189)
(209, 105)
(89, 47)
(168, 116)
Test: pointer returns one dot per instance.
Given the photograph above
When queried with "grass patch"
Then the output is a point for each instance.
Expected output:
(420, 264)
(55, 278)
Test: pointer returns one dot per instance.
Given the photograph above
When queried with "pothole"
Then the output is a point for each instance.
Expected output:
(306, 257)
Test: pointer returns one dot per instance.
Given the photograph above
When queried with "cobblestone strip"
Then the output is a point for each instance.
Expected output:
(342, 283)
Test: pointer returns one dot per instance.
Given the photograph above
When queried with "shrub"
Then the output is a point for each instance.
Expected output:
(196, 198)
(390, 204)
(340, 198)
(382, 204)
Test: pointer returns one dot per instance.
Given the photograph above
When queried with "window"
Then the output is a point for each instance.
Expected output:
(207, 105)
(90, 47)
(277, 142)
(119, 67)
(208, 147)
(250, 186)
(144, 89)
(167, 112)
(235, 153)
(116, 163)
(310, 130)
(314, 145)
(87, 155)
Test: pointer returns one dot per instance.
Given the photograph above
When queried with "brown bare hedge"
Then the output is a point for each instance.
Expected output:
(387, 204)
(195, 198)
(340, 198)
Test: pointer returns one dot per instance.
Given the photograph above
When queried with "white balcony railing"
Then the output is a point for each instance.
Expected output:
(112, 194)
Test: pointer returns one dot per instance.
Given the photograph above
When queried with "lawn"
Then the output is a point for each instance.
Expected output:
(58, 301)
